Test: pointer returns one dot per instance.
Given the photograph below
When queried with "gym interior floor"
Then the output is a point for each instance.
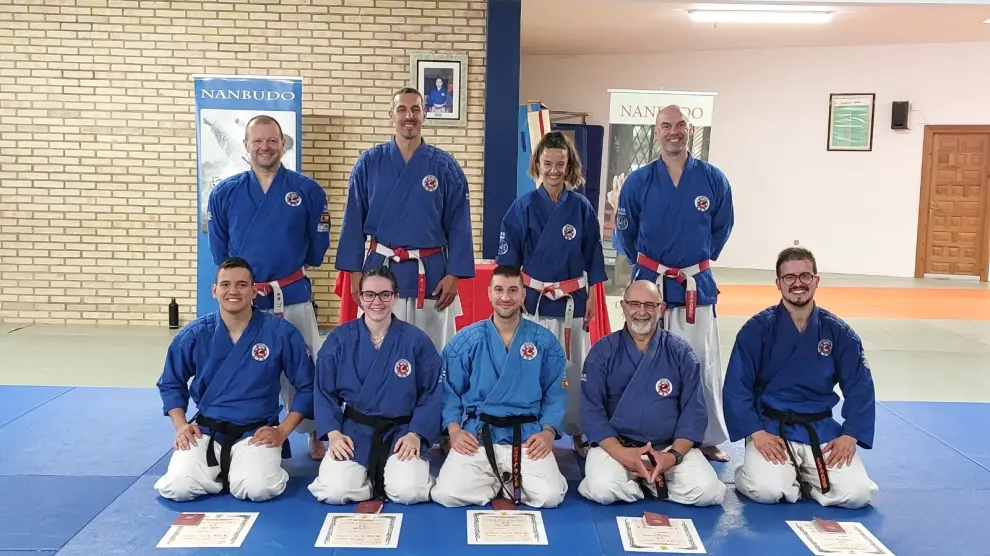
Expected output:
(83, 440)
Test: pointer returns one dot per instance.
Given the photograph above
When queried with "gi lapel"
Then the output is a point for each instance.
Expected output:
(786, 351)
(255, 232)
(627, 411)
(394, 202)
(226, 358)
(554, 235)
(505, 363)
(374, 367)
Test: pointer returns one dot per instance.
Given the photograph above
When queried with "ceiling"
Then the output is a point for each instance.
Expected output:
(583, 27)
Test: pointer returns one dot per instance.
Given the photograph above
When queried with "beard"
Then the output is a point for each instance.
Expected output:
(507, 313)
(796, 298)
(641, 326)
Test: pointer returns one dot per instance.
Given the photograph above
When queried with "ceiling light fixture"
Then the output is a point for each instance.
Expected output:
(986, 21)
(754, 16)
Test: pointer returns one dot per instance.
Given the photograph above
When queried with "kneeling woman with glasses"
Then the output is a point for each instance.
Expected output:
(377, 397)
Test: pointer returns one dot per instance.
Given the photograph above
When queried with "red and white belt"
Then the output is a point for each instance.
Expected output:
(682, 275)
(399, 255)
(275, 287)
(555, 291)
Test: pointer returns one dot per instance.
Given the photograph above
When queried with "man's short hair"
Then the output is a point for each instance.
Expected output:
(508, 271)
(796, 254)
(407, 91)
(384, 272)
(235, 262)
(263, 119)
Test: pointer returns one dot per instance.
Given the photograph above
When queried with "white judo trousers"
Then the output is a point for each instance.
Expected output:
(255, 474)
(303, 317)
(704, 341)
(768, 482)
(344, 482)
(693, 482)
(469, 480)
(580, 346)
(440, 326)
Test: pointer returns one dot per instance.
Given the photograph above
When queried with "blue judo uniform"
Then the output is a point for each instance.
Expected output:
(235, 386)
(403, 207)
(501, 396)
(377, 396)
(780, 376)
(278, 232)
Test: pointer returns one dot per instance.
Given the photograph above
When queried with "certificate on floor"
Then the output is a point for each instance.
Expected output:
(208, 530)
(677, 536)
(505, 527)
(353, 530)
(848, 539)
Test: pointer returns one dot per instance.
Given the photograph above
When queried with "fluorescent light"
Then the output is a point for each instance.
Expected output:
(986, 21)
(754, 16)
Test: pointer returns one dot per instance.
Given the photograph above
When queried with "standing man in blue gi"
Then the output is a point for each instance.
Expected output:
(674, 218)
(644, 413)
(780, 393)
(279, 221)
(411, 200)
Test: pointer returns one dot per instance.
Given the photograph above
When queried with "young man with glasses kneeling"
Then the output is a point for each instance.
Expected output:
(378, 397)
(779, 395)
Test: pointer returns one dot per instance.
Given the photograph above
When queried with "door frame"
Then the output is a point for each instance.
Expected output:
(925, 199)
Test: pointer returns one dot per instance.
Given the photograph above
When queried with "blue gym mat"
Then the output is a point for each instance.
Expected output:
(81, 463)
(15, 401)
(43, 513)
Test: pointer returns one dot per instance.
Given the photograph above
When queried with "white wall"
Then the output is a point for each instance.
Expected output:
(857, 211)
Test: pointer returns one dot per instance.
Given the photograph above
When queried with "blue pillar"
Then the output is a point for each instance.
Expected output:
(502, 66)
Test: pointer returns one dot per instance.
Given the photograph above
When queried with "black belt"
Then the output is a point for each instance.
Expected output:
(805, 420)
(516, 422)
(381, 445)
(229, 435)
(643, 484)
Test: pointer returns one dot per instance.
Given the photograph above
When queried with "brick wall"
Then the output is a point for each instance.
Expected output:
(98, 148)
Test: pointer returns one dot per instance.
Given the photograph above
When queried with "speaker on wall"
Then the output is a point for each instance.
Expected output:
(899, 114)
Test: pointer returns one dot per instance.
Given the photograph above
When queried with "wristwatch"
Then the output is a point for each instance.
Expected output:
(677, 456)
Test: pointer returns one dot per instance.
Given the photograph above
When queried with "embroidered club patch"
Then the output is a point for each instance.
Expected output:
(825, 347)
(293, 199)
(621, 222)
(664, 387)
(402, 368)
(259, 352)
(569, 232)
(430, 183)
(701, 203)
(528, 351)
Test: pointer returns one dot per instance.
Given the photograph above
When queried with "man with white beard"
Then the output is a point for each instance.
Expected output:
(643, 410)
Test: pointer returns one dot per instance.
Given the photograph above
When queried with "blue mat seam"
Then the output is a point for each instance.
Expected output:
(954, 449)
(98, 514)
(42, 404)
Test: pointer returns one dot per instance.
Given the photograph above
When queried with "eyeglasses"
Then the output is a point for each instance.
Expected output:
(805, 277)
(636, 305)
(385, 296)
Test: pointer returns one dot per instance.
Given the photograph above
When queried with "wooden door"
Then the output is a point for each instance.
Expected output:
(953, 226)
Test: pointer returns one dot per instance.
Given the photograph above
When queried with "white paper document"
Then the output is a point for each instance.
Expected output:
(215, 530)
(680, 538)
(505, 527)
(353, 530)
(856, 540)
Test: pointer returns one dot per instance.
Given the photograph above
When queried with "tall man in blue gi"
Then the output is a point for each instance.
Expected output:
(643, 411)
(504, 391)
(411, 200)
(279, 221)
(378, 395)
(780, 393)
(234, 357)
(552, 232)
(674, 218)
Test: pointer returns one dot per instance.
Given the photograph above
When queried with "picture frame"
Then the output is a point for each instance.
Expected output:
(446, 104)
(850, 121)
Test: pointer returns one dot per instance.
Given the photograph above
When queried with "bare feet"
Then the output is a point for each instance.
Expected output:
(714, 453)
(580, 445)
(316, 447)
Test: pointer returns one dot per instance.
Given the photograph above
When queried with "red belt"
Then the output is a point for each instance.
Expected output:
(398, 254)
(682, 275)
(275, 286)
(555, 291)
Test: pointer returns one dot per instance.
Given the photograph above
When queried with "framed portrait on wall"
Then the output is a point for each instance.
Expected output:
(442, 78)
